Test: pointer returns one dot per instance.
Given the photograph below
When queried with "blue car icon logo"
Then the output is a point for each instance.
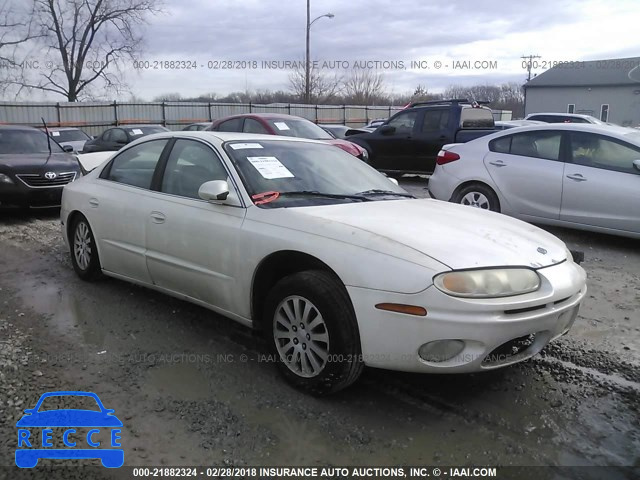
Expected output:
(31, 448)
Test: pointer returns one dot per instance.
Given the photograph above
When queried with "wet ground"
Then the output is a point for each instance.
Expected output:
(192, 388)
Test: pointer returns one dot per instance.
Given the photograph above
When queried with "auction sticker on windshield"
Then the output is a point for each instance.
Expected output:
(136, 131)
(282, 126)
(270, 167)
(243, 146)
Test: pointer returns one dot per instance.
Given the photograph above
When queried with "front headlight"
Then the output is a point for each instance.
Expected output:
(6, 179)
(490, 283)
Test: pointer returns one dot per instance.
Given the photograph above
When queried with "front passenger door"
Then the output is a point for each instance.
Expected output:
(392, 150)
(192, 245)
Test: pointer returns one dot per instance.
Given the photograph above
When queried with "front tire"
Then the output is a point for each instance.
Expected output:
(479, 196)
(312, 332)
(84, 254)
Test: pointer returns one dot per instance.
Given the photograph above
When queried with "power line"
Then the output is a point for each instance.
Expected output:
(529, 63)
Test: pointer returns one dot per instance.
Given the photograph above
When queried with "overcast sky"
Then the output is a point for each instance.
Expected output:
(450, 32)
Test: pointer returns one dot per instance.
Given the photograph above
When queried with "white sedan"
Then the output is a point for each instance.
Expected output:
(337, 265)
(575, 175)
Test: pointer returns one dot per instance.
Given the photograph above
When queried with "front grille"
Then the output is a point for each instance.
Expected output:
(34, 180)
(510, 350)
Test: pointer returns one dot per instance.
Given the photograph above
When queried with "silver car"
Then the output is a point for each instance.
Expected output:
(576, 175)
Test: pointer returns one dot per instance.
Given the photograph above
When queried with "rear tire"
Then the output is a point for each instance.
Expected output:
(84, 253)
(479, 196)
(312, 332)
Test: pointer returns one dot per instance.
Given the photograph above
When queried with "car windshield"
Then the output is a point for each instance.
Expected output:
(75, 402)
(298, 127)
(136, 132)
(69, 136)
(26, 142)
(283, 174)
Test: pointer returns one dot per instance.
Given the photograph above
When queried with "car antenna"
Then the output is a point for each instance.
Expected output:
(46, 130)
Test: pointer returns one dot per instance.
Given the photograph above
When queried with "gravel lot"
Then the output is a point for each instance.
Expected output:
(193, 388)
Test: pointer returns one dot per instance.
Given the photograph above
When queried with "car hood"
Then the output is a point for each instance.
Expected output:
(347, 146)
(69, 418)
(38, 162)
(454, 235)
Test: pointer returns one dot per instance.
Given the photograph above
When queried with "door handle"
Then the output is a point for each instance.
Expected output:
(94, 202)
(577, 177)
(499, 163)
(158, 217)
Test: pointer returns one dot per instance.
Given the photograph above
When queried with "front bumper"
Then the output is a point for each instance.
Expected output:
(22, 196)
(488, 327)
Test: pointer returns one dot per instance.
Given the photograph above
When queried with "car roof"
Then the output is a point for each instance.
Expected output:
(61, 129)
(141, 125)
(230, 136)
(283, 116)
(622, 133)
(18, 127)
(560, 114)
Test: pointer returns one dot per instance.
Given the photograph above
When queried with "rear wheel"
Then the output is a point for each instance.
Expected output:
(479, 196)
(84, 254)
(313, 333)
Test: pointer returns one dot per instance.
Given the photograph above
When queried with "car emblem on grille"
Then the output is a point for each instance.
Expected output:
(542, 251)
(50, 175)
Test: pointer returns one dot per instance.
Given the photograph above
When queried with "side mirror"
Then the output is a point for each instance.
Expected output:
(636, 164)
(67, 148)
(214, 190)
(30, 410)
(386, 130)
(393, 180)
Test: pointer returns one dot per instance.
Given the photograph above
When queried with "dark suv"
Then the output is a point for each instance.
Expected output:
(33, 168)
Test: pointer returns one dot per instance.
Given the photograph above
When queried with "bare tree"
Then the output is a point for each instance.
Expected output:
(86, 43)
(364, 86)
(323, 87)
(15, 30)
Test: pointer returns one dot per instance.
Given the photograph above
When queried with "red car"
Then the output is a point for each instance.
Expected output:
(286, 125)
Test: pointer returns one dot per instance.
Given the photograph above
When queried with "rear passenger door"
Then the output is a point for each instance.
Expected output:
(429, 139)
(527, 168)
(601, 185)
(120, 204)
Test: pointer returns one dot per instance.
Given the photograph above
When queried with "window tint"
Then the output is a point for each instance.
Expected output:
(501, 145)
(403, 122)
(435, 120)
(26, 141)
(118, 135)
(471, 117)
(253, 126)
(106, 135)
(135, 166)
(233, 125)
(536, 144)
(191, 164)
(602, 152)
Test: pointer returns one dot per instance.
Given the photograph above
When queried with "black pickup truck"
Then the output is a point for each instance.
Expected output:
(410, 140)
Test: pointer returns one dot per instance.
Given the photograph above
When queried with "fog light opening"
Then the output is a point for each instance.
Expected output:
(441, 350)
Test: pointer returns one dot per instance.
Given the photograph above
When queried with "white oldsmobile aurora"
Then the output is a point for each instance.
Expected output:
(337, 265)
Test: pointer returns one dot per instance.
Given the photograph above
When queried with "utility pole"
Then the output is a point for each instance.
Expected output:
(529, 59)
(307, 60)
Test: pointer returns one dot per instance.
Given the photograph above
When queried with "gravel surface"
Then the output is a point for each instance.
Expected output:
(193, 388)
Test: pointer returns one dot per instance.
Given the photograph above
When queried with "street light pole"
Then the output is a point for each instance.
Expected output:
(307, 63)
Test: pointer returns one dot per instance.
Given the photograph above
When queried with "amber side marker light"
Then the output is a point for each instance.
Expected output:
(400, 308)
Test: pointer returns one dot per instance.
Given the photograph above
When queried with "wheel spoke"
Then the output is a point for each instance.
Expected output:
(320, 337)
(318, 351)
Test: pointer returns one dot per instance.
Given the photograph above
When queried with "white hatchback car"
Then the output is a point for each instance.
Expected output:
(575, 175)
(337, 265)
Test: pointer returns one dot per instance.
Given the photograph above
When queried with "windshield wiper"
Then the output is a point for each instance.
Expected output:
(315, 193)
(385, 192)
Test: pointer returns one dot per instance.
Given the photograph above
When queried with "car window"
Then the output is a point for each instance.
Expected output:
(233, 125)
(69, 136)
(135, 166)
(106, 135)
(602, 152)
(539, 144)
(64, 402)
(253, 126)
(298, 127)
(501, 145)
(471, 117)
(435, 120)
(403, 122)
(118, 135)
(26, 142)
(191, 163)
